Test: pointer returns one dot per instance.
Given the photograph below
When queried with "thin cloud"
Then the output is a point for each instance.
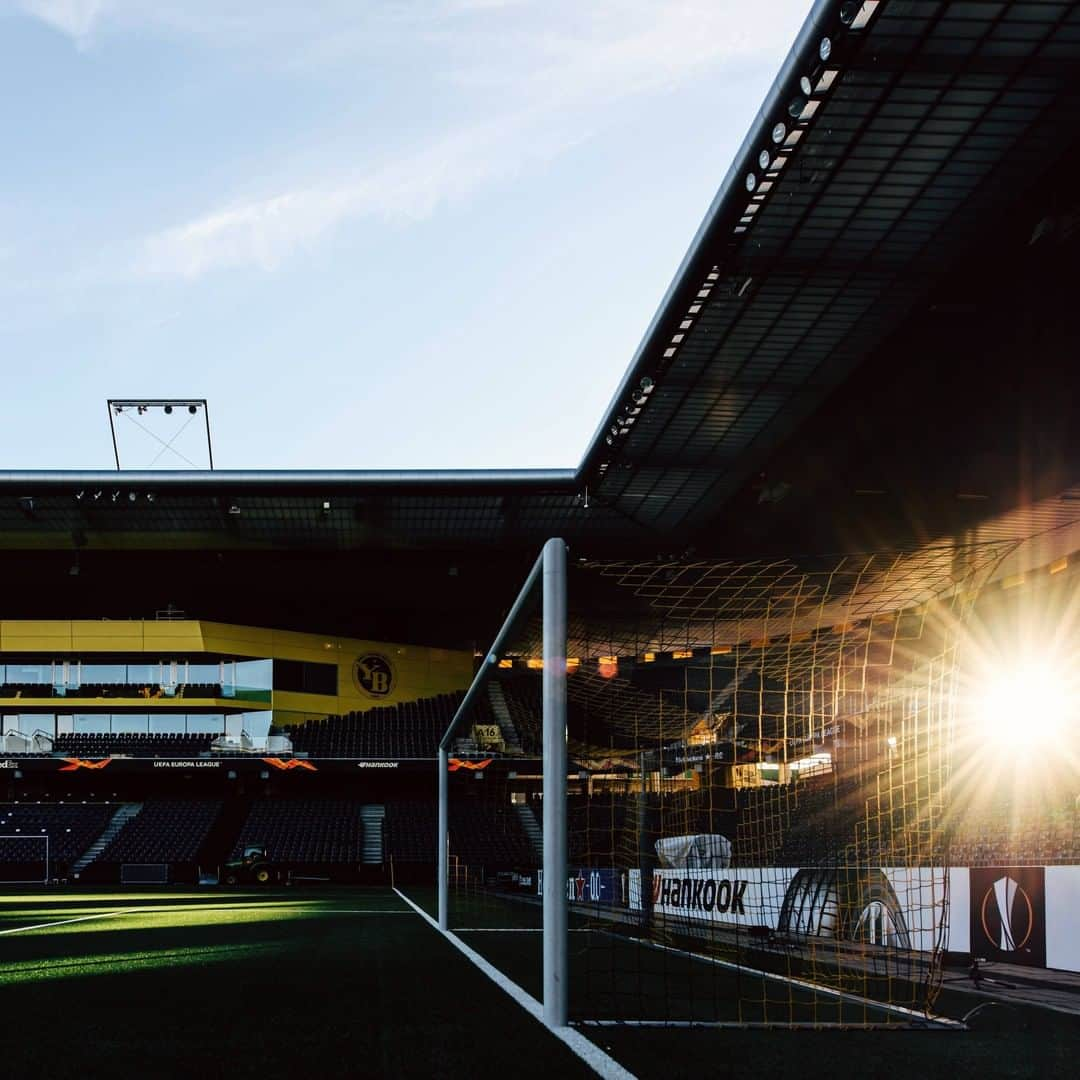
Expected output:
(74, 18)
(264, 232)
(541, 74)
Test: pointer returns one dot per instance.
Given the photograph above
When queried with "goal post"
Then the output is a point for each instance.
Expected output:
(24, 859)
(556, 949)
(544, 591)
(721, 792)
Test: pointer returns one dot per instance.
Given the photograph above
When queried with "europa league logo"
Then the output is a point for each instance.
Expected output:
(1008, 916)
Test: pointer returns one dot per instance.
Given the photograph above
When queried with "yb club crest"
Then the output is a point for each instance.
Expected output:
(373, 675)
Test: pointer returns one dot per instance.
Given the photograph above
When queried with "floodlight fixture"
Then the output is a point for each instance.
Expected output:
(779, 132)
(144, 408)
(1024, 707)
(764, 158)
(825, 49)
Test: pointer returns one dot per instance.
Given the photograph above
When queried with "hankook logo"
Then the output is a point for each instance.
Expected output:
(1008, 916)
(374, 675)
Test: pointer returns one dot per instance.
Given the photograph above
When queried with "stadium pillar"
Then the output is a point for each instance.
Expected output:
(442, 866)
(554, 747)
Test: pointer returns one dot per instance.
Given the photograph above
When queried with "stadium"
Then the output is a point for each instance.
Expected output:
(750, 745)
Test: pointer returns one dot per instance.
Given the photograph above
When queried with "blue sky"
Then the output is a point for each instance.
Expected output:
(426, 233)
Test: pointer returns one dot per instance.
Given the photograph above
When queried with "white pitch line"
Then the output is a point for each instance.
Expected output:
(347, 911)
(153, 909)
(601, 1063)
(65, 922)
(802, 984)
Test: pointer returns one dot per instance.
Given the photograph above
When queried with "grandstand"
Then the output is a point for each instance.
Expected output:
(815, 679)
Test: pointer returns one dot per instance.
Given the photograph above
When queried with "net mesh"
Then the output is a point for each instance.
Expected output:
(760, 761)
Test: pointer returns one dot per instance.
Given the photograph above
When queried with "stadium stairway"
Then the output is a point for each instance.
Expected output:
(123, 815)
(372, 816)
(502, 714)
(531, 827)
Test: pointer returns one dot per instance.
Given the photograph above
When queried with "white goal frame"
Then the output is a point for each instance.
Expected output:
(29, 836)
(547, 579)
(546, 587)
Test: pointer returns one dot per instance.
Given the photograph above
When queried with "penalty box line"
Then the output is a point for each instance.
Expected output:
(67, 922)
(601, 1063)
(152, 909)
(915, 1017)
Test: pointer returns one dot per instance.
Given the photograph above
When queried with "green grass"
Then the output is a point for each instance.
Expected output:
(282, 983)
(351, 982)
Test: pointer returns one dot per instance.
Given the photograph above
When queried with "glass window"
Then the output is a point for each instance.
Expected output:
(207, 674)
(205, 723)
(257, 724)
(305, 676)
(167, 723)
(144, 675)
(107, 674)
(31, 722)
(255, 674)
(65, 725)
(92, 723)
(130, 723)
(30, 673)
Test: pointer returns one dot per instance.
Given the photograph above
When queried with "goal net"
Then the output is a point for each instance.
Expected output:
(24, 859)
(753, 789)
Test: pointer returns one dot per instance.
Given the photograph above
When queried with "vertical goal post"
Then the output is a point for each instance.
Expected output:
(548, 579)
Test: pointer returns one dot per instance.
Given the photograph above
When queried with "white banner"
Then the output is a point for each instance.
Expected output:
(899, 906)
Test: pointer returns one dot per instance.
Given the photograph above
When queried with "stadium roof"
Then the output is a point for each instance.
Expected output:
(844, 210)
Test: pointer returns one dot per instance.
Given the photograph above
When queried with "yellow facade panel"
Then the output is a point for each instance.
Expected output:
(104, 704)
(370, 673)
(239, 640)
(106, 635)
(182, 636)
(26, 635)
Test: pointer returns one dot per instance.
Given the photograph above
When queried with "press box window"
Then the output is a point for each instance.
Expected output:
(305, 678)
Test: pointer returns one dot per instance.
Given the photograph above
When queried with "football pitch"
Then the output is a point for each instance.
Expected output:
(354, 982)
